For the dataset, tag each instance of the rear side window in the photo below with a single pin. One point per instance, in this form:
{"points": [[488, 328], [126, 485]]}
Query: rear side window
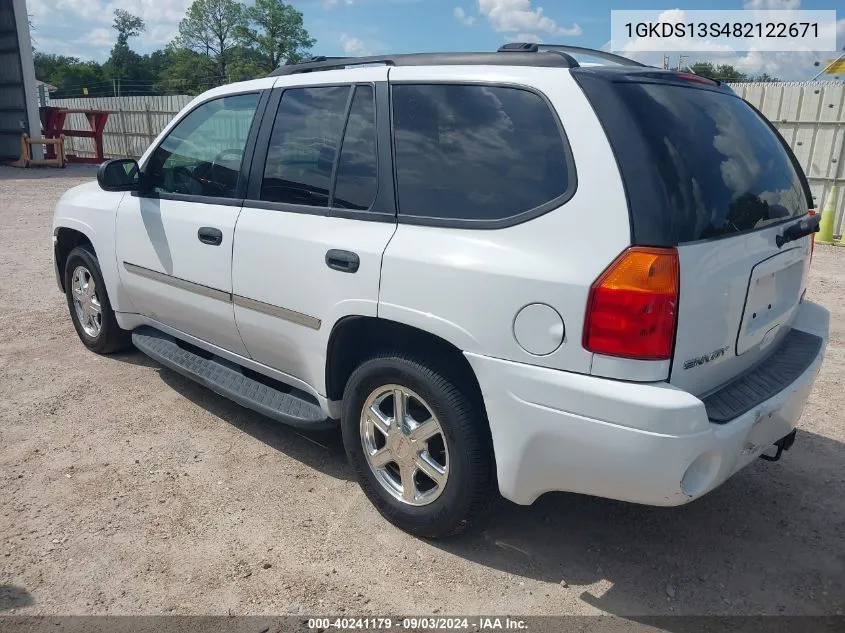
{"points": [[303, 145], [721, 168], [357, 169], [476, 153]]}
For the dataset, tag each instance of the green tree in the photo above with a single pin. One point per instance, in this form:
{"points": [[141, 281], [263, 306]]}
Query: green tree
{"points": [[124, 63], [275, 30], [764, 77], [209, 28], [722, 72], [186, 71], [70, 75], [127, 25]]}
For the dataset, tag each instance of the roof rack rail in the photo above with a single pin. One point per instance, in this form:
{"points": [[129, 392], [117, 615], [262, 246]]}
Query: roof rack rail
{"points": [[547, 59], [530, 47]]}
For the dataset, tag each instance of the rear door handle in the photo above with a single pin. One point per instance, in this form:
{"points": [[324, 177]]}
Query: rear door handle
{"points": [[210, 235], [344, 261]]}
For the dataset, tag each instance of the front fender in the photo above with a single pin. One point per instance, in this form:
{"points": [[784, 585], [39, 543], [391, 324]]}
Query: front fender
{"points": [[89, 210]]}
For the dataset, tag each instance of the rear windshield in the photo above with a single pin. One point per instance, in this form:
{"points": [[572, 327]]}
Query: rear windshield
{"points": [[722, 168]]}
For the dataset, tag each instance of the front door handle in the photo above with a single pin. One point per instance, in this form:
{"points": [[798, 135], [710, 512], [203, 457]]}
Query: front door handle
{"points": [[210, 235], [344, 261]]}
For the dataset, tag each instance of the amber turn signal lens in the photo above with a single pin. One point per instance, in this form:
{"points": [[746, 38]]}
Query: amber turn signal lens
{"points": [[633, 306]]}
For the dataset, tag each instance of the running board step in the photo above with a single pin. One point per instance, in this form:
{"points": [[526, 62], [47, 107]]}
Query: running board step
{"points": [[224, 378]]}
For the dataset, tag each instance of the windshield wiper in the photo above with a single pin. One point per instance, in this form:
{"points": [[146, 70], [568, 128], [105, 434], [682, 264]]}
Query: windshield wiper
{"points": [[798, 230]]}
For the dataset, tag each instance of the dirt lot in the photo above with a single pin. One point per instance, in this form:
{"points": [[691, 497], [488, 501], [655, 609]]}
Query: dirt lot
{"points": [[127, 489]]}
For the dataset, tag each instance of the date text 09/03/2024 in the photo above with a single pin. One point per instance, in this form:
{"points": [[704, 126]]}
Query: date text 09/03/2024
{"points": [[418, 623]]}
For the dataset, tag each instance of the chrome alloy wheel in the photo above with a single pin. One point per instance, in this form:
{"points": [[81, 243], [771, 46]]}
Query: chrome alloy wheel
{"points": [[404, 445], [86, 302]]}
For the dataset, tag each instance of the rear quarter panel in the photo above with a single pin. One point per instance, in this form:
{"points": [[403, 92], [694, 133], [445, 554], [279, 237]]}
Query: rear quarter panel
{"points": [[467, 285]]}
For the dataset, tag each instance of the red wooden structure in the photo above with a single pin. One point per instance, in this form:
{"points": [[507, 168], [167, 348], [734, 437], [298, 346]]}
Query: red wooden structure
{"points": [[53, 124]]}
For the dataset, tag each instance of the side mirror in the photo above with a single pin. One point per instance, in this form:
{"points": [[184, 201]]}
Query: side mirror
{"points": [[122, 174]]}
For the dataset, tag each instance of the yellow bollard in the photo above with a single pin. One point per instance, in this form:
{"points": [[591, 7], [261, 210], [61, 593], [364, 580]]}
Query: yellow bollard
{"points": [[825, 234]]}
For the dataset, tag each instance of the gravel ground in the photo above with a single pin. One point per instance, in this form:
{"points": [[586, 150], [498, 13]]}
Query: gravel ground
{"points": [[127, 489]]}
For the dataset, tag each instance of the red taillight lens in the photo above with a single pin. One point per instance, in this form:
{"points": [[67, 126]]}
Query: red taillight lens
{"points": [[633, 306]]}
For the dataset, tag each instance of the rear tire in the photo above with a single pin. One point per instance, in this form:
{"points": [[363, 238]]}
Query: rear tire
{"points": [[432, 476], [89, 304]]}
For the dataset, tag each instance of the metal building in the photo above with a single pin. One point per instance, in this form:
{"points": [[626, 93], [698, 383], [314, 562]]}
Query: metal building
{"points": [[18, 94]]}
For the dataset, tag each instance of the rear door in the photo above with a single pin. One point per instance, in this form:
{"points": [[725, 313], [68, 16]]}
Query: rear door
{"points": [[318, 216], [710, 176]]}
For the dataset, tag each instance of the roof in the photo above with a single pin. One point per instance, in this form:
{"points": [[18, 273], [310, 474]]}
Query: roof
{"points": [[47, 87], [514, 54]]}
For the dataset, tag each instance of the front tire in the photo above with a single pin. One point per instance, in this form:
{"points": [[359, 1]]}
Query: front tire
{"points": [[89, 304], [427, 463]]}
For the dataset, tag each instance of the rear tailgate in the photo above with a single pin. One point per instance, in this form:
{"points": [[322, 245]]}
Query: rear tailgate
{"points": [[705, 173]]}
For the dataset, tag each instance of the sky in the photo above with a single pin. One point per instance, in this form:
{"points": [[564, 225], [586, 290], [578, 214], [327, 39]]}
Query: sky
{"points": [[82, 28]]}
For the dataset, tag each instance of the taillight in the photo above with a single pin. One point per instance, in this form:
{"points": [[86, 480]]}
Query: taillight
{"points": [[812, 238], [632, 309]]}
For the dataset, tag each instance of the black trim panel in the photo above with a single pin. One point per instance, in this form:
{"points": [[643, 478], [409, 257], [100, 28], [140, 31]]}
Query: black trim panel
{"points": [[183, 197], [782, 367], [59, 279]]}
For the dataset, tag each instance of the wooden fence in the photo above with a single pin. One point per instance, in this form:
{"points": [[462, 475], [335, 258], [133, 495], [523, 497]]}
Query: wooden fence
{"points": [[134, 124]]}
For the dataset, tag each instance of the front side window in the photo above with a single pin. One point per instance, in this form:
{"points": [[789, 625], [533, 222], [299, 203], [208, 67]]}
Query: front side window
{"points": [[203, 154], [476, 153]]}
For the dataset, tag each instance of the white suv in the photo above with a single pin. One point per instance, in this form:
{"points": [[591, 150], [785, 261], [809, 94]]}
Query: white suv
{"points": [[495, 271]]}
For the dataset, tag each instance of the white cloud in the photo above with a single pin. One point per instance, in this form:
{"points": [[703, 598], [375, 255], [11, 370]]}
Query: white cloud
{"points": [[772, 4], [354, 46], [524, 37], [519, 15], [94, 18], [461, 16], [333, 3], [98, 37]]}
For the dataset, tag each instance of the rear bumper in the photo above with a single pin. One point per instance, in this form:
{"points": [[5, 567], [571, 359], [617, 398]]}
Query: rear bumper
{"points": [[648, 443]]}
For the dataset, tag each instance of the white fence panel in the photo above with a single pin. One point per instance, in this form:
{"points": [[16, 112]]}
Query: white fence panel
{"points": [[811, 118]]}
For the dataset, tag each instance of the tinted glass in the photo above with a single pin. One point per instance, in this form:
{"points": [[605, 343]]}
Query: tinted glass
{"points": [[357, 169], [303, 145], [203, 154], [475, 152], [723, 169]]}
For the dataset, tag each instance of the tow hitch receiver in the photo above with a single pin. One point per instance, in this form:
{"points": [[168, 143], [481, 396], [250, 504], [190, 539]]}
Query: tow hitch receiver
{"points": [[783, 444]]}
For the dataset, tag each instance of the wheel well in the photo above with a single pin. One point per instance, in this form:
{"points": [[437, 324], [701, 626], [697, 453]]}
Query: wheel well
{"points": [[66, 241], [354, 339]]}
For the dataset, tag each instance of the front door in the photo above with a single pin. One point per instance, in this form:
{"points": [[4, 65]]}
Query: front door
{"points": [[174, 240], [318, 217]]}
